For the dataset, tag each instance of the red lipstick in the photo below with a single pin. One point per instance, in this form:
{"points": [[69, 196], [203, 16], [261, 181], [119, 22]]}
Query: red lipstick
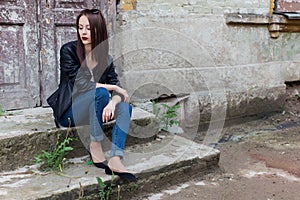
{"points": [[84, 38]]}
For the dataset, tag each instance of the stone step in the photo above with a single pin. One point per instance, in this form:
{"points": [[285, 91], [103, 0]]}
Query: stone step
{"points": [[25, 133], [157, 163]]}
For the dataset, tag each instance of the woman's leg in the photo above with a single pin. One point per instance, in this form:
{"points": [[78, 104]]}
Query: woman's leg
{"points": [[96, 131], [119, 134], [87, 109], [95, 113]]}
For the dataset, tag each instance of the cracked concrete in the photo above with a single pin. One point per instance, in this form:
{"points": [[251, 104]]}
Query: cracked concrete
{"points": [[259, 160], [158, 160]]}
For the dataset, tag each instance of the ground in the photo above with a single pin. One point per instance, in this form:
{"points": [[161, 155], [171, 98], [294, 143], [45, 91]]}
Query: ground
{"points": [[259, 160]]}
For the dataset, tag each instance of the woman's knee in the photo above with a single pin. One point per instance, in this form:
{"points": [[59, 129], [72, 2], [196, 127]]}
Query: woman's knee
{"points": [[102, 93], [124, 107]]}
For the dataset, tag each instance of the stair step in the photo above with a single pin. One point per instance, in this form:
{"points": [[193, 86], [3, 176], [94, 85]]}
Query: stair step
{"points": [[154, 164], [25, 133]]}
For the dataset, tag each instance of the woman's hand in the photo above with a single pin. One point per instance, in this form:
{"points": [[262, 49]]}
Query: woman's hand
{"points": [[122, 92], [108, 112]]}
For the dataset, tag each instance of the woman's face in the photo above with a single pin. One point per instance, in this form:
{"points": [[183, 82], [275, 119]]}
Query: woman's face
{"points": [[84, 30]]}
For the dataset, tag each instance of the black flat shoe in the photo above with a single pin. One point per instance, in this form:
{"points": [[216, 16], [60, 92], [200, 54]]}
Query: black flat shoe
{"points": [[123, 175], [102, 165]]}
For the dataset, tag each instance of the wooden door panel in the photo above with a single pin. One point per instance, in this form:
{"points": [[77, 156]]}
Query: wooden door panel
{"points": [[288, 5], [58, 27], [31, 33], [75, 4], [63, 35], [19, 81]]}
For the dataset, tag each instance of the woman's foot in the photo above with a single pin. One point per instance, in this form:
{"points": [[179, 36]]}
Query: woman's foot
{"points": [[97, 155], [116, 167]]}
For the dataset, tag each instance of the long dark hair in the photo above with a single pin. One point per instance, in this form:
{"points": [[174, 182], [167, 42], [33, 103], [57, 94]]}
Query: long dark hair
{"points": [[99, 37]]}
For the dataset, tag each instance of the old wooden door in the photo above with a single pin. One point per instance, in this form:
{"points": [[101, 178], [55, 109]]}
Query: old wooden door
{"points": [[31, 33], [58, 19], [19, 63]]}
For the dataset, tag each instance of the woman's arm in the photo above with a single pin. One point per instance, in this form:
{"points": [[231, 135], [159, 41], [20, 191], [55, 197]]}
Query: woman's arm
{"points": [[109, 110], [69, 62], [112, 83], [109, 87], [118, 94], [116, 90]]}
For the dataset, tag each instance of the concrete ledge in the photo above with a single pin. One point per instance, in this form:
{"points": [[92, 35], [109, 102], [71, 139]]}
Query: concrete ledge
{"points": [[154, 164], [25, 133]]}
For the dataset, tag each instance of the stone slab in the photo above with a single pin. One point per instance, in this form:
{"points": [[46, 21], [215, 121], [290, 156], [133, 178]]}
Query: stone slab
{"points": [[154, 159], [25, 133], [30, 121]]}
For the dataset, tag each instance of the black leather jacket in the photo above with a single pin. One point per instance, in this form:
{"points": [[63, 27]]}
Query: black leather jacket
{"points": [[75, 80]]}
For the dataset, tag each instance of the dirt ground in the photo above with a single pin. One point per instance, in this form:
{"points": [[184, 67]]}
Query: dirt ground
{"points": [[260, 160]]}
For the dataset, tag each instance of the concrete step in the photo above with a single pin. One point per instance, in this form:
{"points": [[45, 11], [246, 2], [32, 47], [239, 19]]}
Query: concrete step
{"points": [[172, 158], [25, 133]]}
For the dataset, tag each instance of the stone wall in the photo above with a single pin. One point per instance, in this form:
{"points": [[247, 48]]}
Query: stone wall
{"points": [[185, 47]]}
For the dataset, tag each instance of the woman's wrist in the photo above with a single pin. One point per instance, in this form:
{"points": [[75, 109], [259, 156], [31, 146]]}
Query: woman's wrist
{"points": [[98, 85], [107, 86], [114, 87], [113, 102], [116, 99]]}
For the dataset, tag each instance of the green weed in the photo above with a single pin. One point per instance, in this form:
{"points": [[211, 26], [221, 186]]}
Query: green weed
{"points": [[2, 112], [156, 109], [8, 113], [166, 114], [133, 187], [105, 190], [53, 160]]}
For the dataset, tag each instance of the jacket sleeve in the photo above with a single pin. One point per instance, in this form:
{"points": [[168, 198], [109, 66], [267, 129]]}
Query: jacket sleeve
{"points": [[112, 76], [69, 62], [70, 69]]}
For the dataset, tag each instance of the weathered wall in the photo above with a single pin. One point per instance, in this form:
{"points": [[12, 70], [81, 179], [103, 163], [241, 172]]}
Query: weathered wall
{"points": [[186, 47]]}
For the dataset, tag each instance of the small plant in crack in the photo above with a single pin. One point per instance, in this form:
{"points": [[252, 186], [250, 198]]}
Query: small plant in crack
{"points": [[133, 187], [166, 114], [169, 116], [106, 190], [54, 159], [2, 112]]}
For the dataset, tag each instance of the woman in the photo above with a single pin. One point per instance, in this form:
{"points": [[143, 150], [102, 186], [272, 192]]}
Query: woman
{"points": [[89, 91]]}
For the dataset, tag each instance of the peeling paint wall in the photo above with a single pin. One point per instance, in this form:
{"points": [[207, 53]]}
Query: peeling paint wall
{"points": [[186, 47]]}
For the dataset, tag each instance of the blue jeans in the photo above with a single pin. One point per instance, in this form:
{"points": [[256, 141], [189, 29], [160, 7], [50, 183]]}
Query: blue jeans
{"points": [[87, 109]]}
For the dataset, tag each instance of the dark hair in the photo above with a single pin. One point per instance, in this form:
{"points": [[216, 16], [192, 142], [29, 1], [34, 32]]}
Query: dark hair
{"points": [[99, 36]]}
